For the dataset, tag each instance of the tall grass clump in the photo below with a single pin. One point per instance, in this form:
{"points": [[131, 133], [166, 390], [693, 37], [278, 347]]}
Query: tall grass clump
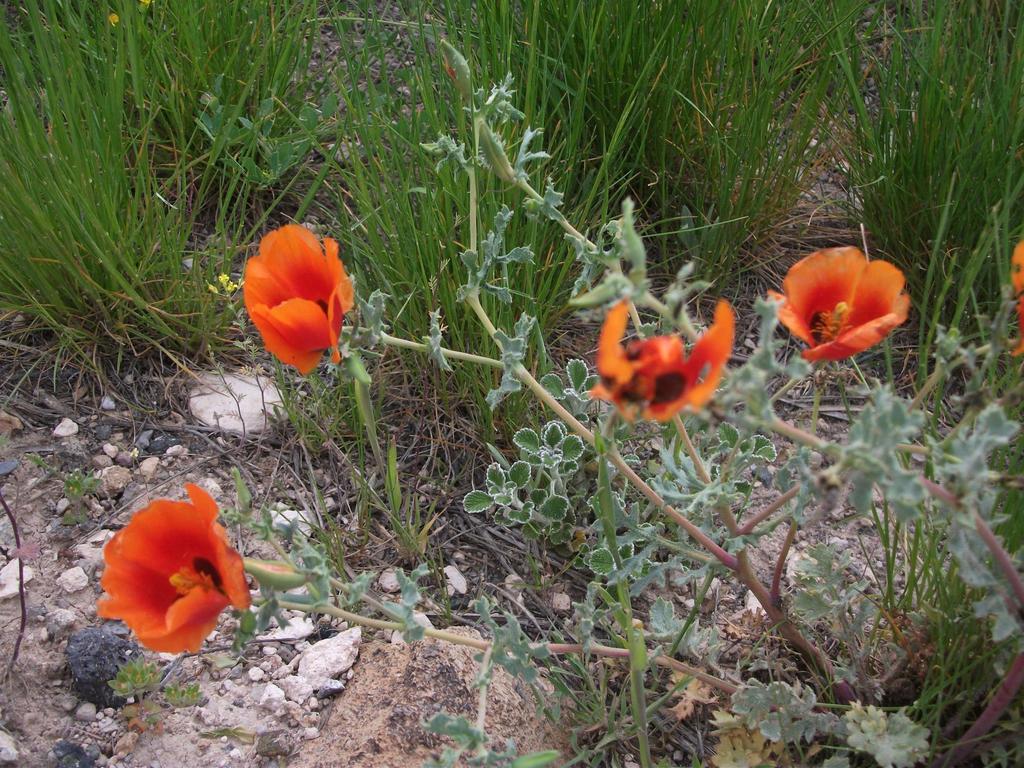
{"points": [[120, 203], [702, 112], [934, 145]]}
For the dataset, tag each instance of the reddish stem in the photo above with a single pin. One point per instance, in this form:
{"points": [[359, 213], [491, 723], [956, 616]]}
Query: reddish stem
{"points": [[764, 514], [21, 586], [780, 564], [1001, 700]]}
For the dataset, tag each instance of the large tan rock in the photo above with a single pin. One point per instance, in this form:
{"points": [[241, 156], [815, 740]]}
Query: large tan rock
{"points": [[377, 720]]}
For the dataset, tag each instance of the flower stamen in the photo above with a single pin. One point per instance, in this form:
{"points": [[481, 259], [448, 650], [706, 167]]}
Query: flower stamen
{"points": [[826, 326]]}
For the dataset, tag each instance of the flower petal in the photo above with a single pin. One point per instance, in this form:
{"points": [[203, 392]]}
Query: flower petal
{"points": [[295, 331], [817, 283], [188, 621], [290, 264], [796, 324], [863, 336], [164, 536], [1019, 349], [612, 365], [878, 294], [709, 357]]}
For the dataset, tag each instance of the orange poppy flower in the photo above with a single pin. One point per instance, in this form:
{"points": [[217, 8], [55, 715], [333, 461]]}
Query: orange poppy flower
{"points": [[654, 377], [840, 303], [297, 293], [1017, 279], [170, 572]]}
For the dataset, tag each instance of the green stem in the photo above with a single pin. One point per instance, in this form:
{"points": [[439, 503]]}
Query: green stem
{"points": [[691, 450], [681, 321], [634, 638], [451, 354], [558, 649]]}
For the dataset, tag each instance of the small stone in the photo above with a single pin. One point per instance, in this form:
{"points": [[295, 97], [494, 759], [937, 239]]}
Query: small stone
{"points": [[148, 466], [291, 518], [113, 480], [753, 605], [71, 755], [67, 702], [9, 424], [388, 582], [86, 712], [561, 602], [273, 744], [330, 658], [126, 744], [331, 687], [297, 628], [145, 437], [8, 749], [66, 428], [62, 505], [269, 650], [124, 459], [256, 674], [456, 581], [59, 622], [514, 581], [94, 655], [110, 449], [176, 451], [311, 733], [9, 578], [73, 580], [102, 462], [272, 698], [108, 404], [296, 688]]}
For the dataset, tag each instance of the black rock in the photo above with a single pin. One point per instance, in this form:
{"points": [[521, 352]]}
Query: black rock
{"points": [[102, 432], [160, 443], [71, 755], [94, 656]]}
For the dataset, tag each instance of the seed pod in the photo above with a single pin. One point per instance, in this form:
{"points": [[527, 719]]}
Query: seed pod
{"points": [[458, 70], [274, 574], [494, 154]]}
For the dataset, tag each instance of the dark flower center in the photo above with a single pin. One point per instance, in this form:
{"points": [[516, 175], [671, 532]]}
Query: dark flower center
{"points": [[668, 387]]}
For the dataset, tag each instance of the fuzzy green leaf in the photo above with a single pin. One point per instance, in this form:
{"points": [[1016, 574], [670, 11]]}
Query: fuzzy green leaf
{"points": [[894, 740], [477, 501]]}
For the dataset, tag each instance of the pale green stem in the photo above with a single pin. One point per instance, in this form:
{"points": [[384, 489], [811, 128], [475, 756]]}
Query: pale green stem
{"points": [[682, 321], [481, 706], [451, 354], [472, 187], [483, 645], [691, 450]]}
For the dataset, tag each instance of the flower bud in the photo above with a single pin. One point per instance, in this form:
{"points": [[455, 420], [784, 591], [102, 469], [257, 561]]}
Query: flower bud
{"points": [[458, 70], [494, 154], [613, 287], [274, 574]]}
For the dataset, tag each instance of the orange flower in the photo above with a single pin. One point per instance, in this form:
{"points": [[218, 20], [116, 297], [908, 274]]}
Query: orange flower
{"points": [[170, 572], [297, 293], [654, 376], [1017, 278], [840, 303]]}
